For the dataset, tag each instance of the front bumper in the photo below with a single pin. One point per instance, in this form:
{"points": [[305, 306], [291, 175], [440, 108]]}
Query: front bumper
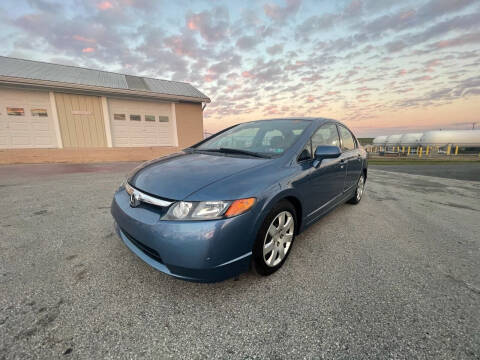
{"points": [[203, 251]]}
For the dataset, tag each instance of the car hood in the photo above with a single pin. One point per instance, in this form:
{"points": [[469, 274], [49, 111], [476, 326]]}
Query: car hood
{"points": [[179, 175]]}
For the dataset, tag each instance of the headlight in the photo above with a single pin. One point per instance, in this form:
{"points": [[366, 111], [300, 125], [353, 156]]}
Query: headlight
{"points": [[181, 209], [208, 210]]}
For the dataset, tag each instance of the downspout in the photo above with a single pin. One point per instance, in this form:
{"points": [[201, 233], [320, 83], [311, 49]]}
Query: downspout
{"points": [[204, 106]]}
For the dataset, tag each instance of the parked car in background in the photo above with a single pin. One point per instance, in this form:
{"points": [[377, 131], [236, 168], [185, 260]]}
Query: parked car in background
{"points": [[239, 197]]}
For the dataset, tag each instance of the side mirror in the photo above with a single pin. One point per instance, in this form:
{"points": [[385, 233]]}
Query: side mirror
{"points": [[326, 152]]}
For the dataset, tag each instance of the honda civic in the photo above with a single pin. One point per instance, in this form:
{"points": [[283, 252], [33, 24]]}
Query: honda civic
{"points": [[238, 198]]}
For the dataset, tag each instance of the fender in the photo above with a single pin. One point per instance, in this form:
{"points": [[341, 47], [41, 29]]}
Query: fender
{"points": [[274, 195]]}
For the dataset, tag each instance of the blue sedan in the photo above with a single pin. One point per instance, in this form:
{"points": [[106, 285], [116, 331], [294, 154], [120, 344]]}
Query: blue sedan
{"points": [[238, 198]]}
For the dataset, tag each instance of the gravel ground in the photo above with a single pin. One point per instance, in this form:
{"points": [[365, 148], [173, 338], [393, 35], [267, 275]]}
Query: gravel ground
{"points": [[457, 170], [393, 277]]}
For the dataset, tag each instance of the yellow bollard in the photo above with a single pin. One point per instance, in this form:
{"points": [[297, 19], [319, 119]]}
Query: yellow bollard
{"points": [[449, 148], [456, 150], [420, 152], [427, 150], [403, 149], [408, 151]]}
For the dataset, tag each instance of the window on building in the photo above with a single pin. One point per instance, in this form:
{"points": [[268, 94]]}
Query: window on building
{"points": [[39, 112], [348, 143], [163, 118], [14, 111], [119, 117], [149, 117], [135, 117]]}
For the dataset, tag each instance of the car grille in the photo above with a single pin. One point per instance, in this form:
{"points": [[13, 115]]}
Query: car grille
{"points": [[144, 248]]}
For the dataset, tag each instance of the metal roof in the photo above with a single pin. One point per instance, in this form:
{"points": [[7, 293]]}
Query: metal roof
{"points": [[77, 76]]}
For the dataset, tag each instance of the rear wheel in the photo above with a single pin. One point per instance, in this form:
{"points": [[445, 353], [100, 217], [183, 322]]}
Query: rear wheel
{"points": [[359, 191], [275, 238]]}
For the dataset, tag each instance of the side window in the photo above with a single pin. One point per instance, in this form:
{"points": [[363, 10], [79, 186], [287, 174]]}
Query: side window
{"points": [[325, 135], [348, 143]]}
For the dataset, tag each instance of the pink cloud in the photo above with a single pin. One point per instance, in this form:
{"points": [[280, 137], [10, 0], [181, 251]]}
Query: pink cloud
{"points": [[277, 12], [332, 92], [362, 96], [458, 41], [406, 14], [84, 39], [105, 5], [423, 78], [212, 25], [432, 63], [310, 98], [248, 75], [364, 88], [233, 87], [232, 76], [402, 72], [193, 22], [209, 78], [88, 50]]}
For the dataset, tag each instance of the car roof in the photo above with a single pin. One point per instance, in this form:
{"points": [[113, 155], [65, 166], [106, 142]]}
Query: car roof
{"points": [[317, 120]]}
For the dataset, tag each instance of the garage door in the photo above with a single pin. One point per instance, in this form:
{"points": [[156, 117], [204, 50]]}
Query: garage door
{"points": [[81, 120], [141, 123], [26, 120]]}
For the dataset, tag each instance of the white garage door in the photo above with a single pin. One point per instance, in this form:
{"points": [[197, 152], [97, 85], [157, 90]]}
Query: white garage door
{"points": [[141, 123], [26, 119]]}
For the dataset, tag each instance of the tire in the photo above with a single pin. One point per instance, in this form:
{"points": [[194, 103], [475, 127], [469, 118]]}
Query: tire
{"points": [[279, 237], [359, 191]]}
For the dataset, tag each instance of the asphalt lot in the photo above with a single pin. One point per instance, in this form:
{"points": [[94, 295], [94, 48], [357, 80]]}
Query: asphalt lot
{"points": [[456, 170], [393, 277]]}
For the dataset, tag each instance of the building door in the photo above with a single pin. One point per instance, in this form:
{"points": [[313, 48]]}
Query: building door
{"points": [[26, 119], [141, 123], [81, 120]]}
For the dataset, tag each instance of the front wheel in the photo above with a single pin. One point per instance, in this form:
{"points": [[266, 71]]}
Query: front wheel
{"points": [[359, 191], [275, 238]]}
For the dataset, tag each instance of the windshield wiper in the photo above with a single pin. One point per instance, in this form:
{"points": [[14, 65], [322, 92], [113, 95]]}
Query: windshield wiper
{"points": [[236, 151], [243, 152]]}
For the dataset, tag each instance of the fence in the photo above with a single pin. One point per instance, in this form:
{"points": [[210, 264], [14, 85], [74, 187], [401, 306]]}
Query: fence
{"points": [[424, 150]]}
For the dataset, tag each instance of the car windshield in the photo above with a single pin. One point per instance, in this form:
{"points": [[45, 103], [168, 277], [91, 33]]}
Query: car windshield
{"points": [[260, 138]]}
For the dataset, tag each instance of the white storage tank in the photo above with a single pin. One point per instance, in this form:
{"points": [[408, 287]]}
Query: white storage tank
{"points": [[412, 139], [380, 140], [393, 140], [454, 137]]}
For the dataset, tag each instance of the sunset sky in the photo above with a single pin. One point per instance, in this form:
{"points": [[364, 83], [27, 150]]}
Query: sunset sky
{"points": [[381, 66]]}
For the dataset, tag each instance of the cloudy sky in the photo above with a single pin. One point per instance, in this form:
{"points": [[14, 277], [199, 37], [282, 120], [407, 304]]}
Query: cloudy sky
{"points": [[381, 66]]}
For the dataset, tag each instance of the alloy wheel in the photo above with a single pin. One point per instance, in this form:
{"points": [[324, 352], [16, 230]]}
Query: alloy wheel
{"points": [[360, 188], [278, 239]]}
